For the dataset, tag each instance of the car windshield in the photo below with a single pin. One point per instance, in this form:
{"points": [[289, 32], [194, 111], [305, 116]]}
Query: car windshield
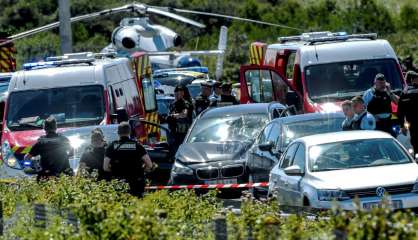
{"points": [[292, 131], [71, 106], [231, 128], [356, 154], [344, 80]]}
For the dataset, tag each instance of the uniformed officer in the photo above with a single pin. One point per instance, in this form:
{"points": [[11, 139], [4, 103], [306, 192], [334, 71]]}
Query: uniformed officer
{"points": [[349, 115], [226, 98], [202, 101], [407, 110], [217, 92], [362, 120], [180, 117], [54, 150], [93, 156], [127, 160], [378, 101]]}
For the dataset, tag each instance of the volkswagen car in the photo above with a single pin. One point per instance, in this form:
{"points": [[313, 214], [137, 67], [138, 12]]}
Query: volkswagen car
{"points": [[324, 170]]}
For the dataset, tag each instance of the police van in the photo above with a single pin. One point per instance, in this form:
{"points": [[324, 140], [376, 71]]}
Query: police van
{"points": [[317, 71], [79, 90]]}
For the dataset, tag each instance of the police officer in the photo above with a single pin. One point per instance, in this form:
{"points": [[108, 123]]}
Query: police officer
{"points": [[349, 115], [202, 101], [127, 160], [378, 101], [227, 98], [407, 110], [92, 158], [217, 92], [180, 117], [362, 120], [54, 150]]}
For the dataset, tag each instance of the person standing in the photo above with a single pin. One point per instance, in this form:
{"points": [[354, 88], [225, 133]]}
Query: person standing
{"points": [[54, 150], [202, 101], [378, 101], [408, 103], [180, 118], [93, 156], [362, 120], [227, 98], [349, 115], [217, 92], [126, 159]]}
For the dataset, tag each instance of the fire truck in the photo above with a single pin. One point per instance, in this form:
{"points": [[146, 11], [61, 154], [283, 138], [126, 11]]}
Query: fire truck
{"points": [[316, 71]]}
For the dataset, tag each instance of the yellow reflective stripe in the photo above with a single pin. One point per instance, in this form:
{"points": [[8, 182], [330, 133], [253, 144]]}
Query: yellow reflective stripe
{"points": [[253, 58], [4, 54], [15, 148], [26, 150], [260, 54]]}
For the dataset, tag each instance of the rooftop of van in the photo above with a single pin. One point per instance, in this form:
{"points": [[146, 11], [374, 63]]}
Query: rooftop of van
{"points": [[339, 51]]}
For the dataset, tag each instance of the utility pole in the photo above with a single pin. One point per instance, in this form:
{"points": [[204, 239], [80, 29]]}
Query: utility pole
{"points": [[65, 26]]}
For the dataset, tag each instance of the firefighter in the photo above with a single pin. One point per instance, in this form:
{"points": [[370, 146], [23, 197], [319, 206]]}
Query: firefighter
{"points": [[378, 101], [127, 160], [407, 111], [54, 150], [349, 115], [217, 92], [227, 98], [92, 158], [202, 101], [362, 120], [180, 117]]}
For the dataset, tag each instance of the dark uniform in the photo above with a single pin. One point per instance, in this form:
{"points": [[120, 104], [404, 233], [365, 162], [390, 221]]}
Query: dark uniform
{"points": [[201, 101], [407, 110], [125, 160], [179, 126], [381, 105], [226, 100], [54, 150], [93, 158]]}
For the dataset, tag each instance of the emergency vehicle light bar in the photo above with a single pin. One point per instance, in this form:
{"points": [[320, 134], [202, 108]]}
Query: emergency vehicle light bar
{"points": [[48, 64], [315, 37], [188, 69]]}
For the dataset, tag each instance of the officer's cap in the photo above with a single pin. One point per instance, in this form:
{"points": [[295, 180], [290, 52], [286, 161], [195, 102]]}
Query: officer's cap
{"points": [[217, 84], [50, 124], [380, 77], [179, 88], [357, 99], [206, 84]]}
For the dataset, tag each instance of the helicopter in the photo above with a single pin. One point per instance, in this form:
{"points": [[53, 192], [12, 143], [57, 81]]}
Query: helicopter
{"points": [[139, 34]]}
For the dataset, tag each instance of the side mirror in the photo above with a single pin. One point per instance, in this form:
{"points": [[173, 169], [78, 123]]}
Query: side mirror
{"points": [[293, 171], [266, 147], [121, 115]]}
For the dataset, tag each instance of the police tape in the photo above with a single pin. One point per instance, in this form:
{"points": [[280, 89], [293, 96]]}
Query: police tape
{"points": [[209, 186]]}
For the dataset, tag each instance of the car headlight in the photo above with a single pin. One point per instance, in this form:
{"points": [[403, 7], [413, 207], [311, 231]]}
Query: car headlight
{"points": [[181, 169], [331, 195], [415, 188], [8, 156]]}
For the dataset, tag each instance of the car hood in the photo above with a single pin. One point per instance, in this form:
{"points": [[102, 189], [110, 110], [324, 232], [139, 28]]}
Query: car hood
{"points": [[328, 107], [369, 177], [190, 153]]}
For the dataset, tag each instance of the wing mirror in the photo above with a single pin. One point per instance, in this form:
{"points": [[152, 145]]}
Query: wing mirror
{"points": [[266, 147], [293, 171]]}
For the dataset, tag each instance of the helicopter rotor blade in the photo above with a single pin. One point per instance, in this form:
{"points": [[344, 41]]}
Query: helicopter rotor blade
{"points": [[174, 16], [231, 17]]}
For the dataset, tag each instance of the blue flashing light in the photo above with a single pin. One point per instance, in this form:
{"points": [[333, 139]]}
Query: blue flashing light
{"points": [[189, 69], [35, 65], [27, 163]]}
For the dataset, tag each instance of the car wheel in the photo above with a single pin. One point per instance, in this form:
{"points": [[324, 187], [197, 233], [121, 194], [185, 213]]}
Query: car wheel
{"points": [[253, 190]]}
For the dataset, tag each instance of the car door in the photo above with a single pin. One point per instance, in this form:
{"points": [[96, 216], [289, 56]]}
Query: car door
{"points": [[256, 155], [294, 182], [280, 179]]}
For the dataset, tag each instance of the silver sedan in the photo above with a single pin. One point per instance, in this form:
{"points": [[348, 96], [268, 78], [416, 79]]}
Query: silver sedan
{"points": [[324, 170]]}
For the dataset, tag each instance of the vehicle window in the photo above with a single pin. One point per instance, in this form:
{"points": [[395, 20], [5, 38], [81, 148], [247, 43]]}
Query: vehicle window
{"points": [[229, 128], [356, 154], [71, 106], [290, 64], [280, 88], [260, 85], [292, 131], [288, 156], [263, 137], [148, 91], [120, 91], [344, 80], [279, 112], [299, 159], [274, 134]]}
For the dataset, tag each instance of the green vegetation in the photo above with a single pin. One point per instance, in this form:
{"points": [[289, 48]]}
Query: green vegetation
{"points": [[396, 21], [106, 211]]}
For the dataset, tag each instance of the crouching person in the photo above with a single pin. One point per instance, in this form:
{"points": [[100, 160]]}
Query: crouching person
{"points": [[127, 160], [93, 156]]}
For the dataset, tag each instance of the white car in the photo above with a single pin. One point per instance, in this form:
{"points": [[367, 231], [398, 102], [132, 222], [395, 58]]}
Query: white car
{"points": [[335, 168]]}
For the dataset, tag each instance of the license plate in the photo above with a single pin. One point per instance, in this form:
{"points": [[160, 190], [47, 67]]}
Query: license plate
{"points": [[222, 181], [395, 204]]}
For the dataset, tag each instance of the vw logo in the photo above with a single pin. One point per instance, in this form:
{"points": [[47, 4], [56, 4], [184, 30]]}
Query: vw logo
{"points": [[380, 192]]}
